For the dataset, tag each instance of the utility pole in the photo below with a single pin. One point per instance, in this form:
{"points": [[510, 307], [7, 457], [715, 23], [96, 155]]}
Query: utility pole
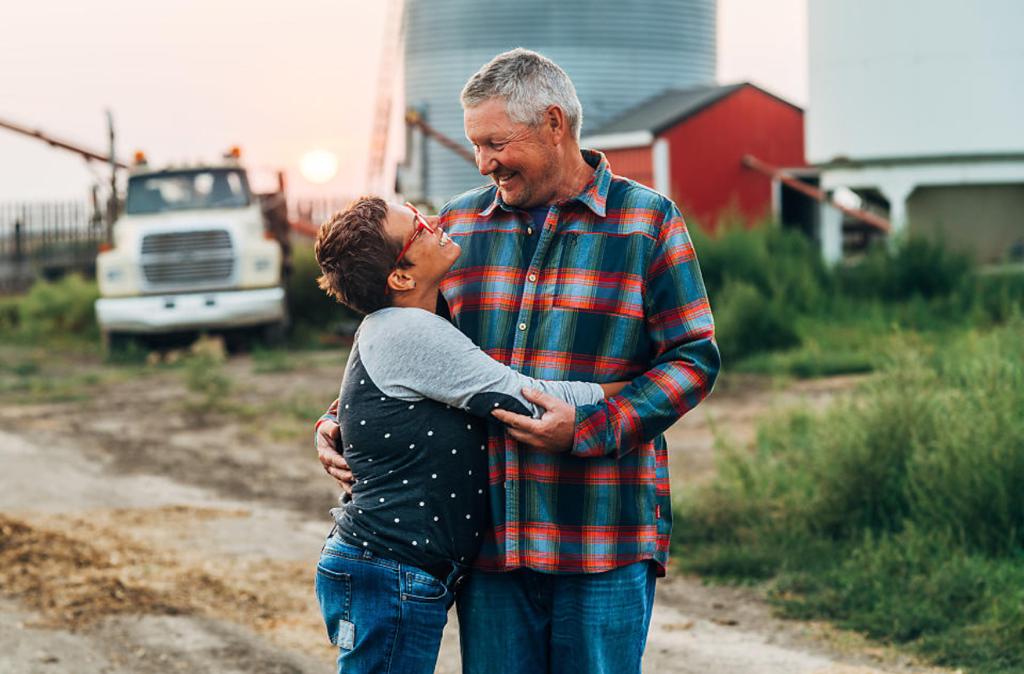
{"points": [[112, 205]]}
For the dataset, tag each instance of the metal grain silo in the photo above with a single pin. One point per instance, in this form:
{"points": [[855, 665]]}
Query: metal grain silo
{"points": [[617, 52]]}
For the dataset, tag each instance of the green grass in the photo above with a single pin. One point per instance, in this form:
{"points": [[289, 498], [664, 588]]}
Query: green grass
{"points": [[898, 512], [34, 375]]}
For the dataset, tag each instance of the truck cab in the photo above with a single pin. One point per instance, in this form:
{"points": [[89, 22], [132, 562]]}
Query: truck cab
{"points": [[192, 251]]}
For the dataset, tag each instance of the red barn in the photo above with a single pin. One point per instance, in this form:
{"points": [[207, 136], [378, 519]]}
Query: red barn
{"points": [[689, 145]]}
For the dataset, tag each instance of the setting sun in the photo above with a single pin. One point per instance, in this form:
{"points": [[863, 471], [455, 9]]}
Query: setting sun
{"points": [[318, 166]]}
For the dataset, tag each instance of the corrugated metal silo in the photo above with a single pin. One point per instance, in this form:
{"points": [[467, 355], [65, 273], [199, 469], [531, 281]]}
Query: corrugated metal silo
{"points": [[617, 52]]}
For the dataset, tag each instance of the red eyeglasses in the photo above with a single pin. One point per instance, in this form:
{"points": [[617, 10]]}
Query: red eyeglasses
{"points": [[421, 226]]}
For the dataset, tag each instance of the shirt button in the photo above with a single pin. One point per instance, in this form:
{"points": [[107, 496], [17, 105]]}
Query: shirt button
{"points": [[522, 326], [532, 278], [529, 230]]}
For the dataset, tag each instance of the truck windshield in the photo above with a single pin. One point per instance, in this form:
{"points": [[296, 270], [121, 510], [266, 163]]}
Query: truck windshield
{"points": [[187, 190]]}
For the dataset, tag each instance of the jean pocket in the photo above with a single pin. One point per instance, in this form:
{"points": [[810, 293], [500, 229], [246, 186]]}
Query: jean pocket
{"points": [[334, 594], [421, 586]]}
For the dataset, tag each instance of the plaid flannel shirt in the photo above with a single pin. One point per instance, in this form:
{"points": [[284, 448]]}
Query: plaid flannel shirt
{"points": [[613, 292]]}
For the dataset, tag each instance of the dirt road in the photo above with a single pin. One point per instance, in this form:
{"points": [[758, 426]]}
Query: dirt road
{"points": [[146, 527]]}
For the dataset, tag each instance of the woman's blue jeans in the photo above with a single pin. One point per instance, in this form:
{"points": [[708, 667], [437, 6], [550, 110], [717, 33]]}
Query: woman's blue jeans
{"points": [[384, 616]]}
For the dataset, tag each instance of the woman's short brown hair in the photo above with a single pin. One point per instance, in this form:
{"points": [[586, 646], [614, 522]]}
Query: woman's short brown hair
{"points": [[356, 255]]}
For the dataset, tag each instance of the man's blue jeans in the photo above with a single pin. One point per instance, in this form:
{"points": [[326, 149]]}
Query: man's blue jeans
{"points": [[384, 617], [530, 623]]}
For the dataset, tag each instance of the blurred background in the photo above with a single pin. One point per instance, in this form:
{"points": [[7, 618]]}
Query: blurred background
{"points": [[852, 175]]}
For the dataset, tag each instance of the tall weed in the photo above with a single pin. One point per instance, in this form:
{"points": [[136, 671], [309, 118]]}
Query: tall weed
{"points": [[898, 511]]}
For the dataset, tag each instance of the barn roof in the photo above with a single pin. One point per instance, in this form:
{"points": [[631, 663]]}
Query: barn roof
{"points": [[671, 107]]}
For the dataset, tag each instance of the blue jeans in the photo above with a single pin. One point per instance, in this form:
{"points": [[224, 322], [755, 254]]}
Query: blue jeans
{"points": [[530, 623], [382, 615]]}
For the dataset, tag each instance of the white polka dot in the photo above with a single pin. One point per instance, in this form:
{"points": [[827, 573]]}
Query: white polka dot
{"points": [[382, 397], [387, 435], [479, 491], [360, 512], [455, 451], [362, 422], [467, 516], [390, 550], [397, 520], [453, 494], [476, 533], [483, 446], [427, 541], [429, 433], [412, 406], [346, 406], [496, 404], [469, 473], [370, 459], [422, 504], [462, 559], [433, 476], [414, 542], [413, 445], [469, 426], [405, 482], [435, 518], [362, 381], [365, 544], [390, 471], [382, 499], [355, 534]]}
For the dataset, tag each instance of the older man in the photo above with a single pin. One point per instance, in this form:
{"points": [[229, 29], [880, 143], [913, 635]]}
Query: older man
{"points": [[569, 272]]}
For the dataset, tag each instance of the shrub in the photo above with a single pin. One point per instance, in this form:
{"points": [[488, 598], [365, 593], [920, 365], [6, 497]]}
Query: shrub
{"points": [[782, 264], [898, 511], [61, 310], [309, 306], [747, 322], [916, 267]]}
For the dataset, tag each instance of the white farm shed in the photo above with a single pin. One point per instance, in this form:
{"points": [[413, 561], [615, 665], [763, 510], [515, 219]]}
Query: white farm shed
{"points": [[917, 107]]}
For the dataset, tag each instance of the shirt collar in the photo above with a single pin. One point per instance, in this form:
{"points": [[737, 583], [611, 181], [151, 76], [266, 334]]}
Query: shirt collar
{"points": [[594, 196]]}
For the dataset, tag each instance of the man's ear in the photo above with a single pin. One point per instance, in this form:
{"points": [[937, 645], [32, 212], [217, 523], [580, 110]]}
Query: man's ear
{"points": [[554, 120], [399, 281]]}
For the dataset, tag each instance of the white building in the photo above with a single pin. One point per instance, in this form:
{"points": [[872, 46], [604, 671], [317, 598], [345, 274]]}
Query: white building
{"points": [[918, 107]]}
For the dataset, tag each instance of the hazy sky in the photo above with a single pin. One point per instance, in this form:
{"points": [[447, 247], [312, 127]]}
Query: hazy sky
{"points": [[187, 79]]}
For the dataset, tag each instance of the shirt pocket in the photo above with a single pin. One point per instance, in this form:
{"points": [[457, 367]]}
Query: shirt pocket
{"points": [[594, 275]]}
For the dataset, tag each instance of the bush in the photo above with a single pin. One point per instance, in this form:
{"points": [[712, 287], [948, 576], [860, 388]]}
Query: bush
{"points": [[310, 307], [917, 267], [747, 322], [898, 511], [781, 264], [61, 310]]}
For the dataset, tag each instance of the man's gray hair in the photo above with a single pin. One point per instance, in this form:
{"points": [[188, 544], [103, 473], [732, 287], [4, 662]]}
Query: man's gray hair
{"points": [[529, 83]]}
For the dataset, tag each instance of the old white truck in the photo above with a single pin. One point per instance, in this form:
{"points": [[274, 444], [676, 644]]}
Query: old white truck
{"points": [[195, 249]]}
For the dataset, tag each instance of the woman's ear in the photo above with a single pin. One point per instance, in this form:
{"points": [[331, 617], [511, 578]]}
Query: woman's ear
{"points": [[399, 280]]}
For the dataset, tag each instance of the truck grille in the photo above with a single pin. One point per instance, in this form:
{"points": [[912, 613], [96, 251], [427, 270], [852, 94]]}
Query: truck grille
{"points": [[188, 259]]}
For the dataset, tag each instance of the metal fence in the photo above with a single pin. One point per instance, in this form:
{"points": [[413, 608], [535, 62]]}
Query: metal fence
{"points": [[47, 240]]}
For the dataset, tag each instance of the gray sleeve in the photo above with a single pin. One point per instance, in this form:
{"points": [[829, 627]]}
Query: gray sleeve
{"points": [[413, 354]]}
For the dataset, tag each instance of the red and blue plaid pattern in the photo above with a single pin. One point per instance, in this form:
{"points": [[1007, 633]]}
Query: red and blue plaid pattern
{"points": [[613, 293]]}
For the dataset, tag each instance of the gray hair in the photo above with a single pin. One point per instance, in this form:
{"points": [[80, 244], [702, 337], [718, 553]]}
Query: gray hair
{"points": [[529, 83]]}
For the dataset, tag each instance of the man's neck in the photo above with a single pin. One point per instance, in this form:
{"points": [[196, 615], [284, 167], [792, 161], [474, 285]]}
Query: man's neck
{"points": [[575, 176]]}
